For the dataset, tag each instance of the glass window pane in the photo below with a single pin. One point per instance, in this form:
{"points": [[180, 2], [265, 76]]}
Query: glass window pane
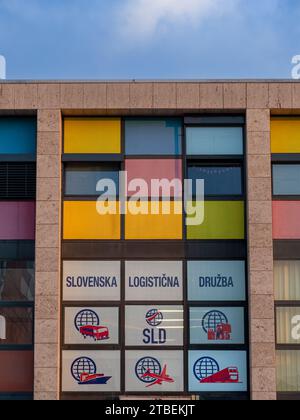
{"points": [[218, 180], [92, 135], [83, 179], [288, 325], [16, 326], [153, 137], [16, 369], [18, 135], [286, 179], [288, 371], [214, 140], [16, 281], [287, 280]]}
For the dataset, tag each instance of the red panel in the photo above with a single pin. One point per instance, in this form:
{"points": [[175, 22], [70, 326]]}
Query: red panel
{"points": [[286, 219], [148, 169], [17, 220], [16, 369]]}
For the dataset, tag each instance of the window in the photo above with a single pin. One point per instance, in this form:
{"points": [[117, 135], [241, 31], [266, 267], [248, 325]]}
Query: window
{"points": [[153, 136], [222, 220], [92, 226], [288, 371], [285, 135], [82, 179], [17, 180], [16, 369], [17, 325], [287, 280], [217, 326], [91, 280], [16, 281], [216, 281], [219, 180], [19, 219], [286, 179], [149, 326], [209, 141], [288, 325], [17, 135], [286, 221], [91, 325], [92, 135]]}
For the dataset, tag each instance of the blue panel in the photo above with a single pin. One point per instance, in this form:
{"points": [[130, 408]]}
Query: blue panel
{"points": [[153, 137], [214, 141], [286, 179], [18, 135]]}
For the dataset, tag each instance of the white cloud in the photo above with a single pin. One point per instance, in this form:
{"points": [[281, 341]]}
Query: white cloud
{"points": [[143, 18]]}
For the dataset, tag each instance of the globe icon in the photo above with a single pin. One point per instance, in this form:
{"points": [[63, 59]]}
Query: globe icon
{"points": [[154, 317], [86, 317], [147, 364], [83, 365], [212, 319], [205, 367]]}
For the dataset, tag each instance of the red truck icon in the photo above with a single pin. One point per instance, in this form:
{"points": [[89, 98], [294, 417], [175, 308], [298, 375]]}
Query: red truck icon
{"points": [[97, 333], [226, 376], [222, 332]]}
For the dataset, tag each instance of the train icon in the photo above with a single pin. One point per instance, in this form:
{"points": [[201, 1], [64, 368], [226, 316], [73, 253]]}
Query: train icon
{"points": [[87, 323], [207, 370]]}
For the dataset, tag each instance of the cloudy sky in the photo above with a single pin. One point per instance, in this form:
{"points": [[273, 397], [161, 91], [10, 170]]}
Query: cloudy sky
{"points": [[142, 39]]}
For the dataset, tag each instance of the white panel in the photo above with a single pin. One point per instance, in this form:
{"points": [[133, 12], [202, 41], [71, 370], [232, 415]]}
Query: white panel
{"points": [[91, 280]]}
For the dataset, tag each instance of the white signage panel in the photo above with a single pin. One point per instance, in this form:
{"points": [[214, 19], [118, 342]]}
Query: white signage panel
{"points": [[154, 281], [91, 371], [91, 280], [154, 371], [217, 326], [91, 326], [154, 325]]}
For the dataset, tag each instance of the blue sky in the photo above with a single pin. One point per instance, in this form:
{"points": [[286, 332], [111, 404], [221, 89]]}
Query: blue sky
{"points": [[146, 39]]}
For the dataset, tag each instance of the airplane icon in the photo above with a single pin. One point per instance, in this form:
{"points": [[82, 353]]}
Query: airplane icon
{"points": [[159, 379]]}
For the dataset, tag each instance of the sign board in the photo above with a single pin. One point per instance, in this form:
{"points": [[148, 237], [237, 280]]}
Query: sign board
{"points": [[91, 371], [91, 326], [217, 326], [218, 371], [216, 281], [154, 371], [154, 325], [91, 280], [154, 281]]}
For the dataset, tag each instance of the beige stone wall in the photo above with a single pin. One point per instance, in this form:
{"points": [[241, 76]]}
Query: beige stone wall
{"points": [[48, 240], [151, 98]]}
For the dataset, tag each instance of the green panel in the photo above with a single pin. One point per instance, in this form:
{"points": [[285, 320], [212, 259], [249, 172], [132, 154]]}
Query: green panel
{"points": [[222, 220]]}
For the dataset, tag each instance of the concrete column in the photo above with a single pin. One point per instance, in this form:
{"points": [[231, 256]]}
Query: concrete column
{"points": [[261, 285], [48, 234]]}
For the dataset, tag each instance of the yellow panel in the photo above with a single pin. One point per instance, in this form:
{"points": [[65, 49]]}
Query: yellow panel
{"points": [[82, 221], [222, 220], [92, 135], [285, 135], [155, 226]]}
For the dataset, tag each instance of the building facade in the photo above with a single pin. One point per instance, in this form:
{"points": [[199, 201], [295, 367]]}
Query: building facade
{"points": [[146, 304]]}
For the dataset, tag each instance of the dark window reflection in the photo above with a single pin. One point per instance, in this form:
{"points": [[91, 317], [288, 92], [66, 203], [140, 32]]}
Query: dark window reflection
{"points": [[218, 180], [16, 326], [16, 281]]}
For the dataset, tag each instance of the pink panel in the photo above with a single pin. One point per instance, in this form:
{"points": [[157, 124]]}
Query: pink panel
{"points": [[148, 169], [17, 220], [286, 219]]}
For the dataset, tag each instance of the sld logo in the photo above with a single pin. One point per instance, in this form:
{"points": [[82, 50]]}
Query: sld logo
{"points": [[154, 335], [2, 67], [296, 327], [2, 328]]}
